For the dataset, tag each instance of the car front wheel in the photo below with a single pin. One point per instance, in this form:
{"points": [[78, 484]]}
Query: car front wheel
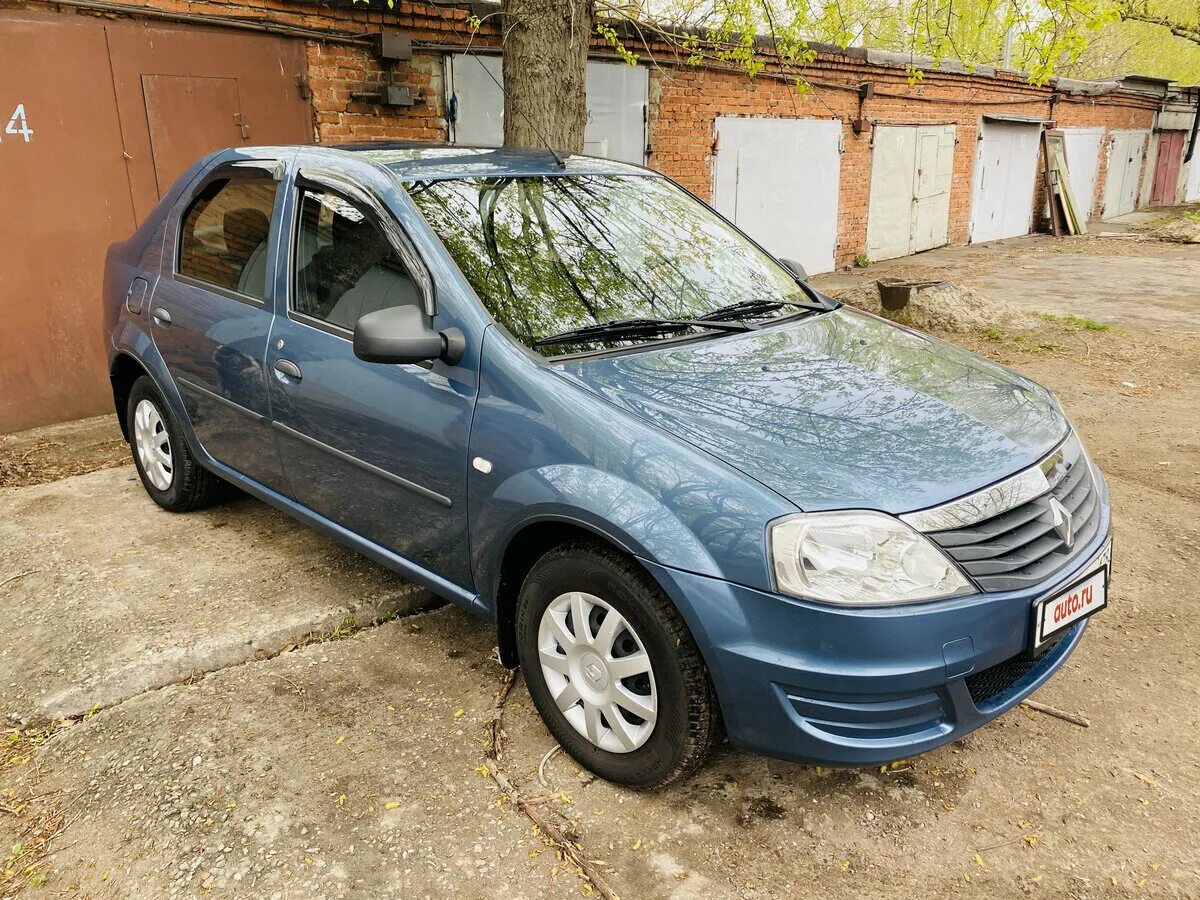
{"points": [[613, 669], [169, 472]]}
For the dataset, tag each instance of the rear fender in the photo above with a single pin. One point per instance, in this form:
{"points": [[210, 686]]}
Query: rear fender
{"points": [[131, 341]]}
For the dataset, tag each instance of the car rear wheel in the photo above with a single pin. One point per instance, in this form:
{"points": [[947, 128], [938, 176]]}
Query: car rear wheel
{"points": [[169, 472], [613, 669]]}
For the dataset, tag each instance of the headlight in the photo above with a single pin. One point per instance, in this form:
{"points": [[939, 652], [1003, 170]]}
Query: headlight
{"points": [[859, 559]]}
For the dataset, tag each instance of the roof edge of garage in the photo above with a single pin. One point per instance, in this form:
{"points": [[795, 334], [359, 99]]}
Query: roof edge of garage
{"points": [[1017, 120]]}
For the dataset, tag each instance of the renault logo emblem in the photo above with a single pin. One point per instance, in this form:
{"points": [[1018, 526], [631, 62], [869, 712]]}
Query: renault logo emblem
{"points": [[1060, 519]]}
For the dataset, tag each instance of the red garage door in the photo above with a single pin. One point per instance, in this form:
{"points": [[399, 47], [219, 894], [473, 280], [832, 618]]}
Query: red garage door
{"points": [[97, 118], [1166, 168]]}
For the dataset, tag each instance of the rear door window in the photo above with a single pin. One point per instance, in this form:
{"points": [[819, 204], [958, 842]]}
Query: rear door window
{"points": [[225, 234], [345, 266]]}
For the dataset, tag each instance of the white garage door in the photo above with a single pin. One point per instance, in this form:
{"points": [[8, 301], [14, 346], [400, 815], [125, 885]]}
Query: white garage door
{"points": [[1005, 172], [1125, 156], [1193, 180], [616, 103], [777, 179], [911, 171], [1083, 161]]}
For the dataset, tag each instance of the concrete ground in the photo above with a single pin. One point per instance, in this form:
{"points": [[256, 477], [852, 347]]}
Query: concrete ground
{"points": [[193, 715]]}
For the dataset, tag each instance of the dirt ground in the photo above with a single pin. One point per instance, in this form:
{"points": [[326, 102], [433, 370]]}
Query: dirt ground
{"points": [[329, 761]]}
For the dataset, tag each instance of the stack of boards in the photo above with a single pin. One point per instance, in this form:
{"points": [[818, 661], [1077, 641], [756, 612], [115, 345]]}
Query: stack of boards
{"points": [[1066, 216]]}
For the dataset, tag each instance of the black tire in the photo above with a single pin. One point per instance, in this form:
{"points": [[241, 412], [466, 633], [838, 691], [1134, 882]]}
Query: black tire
{"points": [[191, 486], [688, 724]]}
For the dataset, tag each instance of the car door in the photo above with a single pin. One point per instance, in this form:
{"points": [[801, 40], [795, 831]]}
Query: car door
{"points": [[378, 448], [211, 315]]}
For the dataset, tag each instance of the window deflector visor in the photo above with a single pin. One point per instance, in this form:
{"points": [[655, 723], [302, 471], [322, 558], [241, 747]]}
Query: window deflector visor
{"points": [[325, 180]]}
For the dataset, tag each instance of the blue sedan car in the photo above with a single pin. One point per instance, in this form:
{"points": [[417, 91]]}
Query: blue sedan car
{"points": [[694, 495]]}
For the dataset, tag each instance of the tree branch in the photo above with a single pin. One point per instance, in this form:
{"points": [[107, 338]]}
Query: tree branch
{"points": [[1191, 33]]}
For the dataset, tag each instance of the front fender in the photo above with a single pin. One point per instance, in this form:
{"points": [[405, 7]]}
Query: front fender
{"points": [[543, 448], [615, 509]]}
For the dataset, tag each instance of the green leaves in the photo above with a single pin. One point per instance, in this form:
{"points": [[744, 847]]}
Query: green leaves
{"points": [[614, 40]]}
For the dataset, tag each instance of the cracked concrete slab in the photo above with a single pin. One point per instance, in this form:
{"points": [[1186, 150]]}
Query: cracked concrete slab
{"points": [[344, 769], [111, 596]]}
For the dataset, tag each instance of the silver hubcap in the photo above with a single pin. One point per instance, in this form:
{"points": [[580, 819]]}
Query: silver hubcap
{"points": [[153, 445], [598, 672]]}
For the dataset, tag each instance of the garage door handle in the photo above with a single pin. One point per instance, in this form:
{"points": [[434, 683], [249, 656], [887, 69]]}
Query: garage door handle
{"points": [[161, 316], [288, 368]]}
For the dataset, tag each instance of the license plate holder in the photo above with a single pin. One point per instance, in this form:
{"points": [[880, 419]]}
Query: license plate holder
{"points": [[1083, 598]]}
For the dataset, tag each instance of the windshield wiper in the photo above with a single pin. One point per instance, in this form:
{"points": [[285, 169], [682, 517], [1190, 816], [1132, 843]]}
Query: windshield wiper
{"points": [[752, 307], [630, 328]]}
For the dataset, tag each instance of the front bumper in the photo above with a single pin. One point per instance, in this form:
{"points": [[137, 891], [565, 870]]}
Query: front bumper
{"points": [[857, 687]]}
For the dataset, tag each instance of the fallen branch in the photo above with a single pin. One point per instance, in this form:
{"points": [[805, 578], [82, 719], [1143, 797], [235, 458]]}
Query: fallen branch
{"points": [[569, 848], [1057, 713], [494, 723], [548, 828]]}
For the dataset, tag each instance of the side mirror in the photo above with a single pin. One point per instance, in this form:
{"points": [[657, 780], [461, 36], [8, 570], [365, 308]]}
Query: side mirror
{"points": [[399, 334], [795, 268]]}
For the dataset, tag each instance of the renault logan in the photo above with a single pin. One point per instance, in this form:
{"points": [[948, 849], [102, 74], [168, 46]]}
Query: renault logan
{"points": [[694, 495]]}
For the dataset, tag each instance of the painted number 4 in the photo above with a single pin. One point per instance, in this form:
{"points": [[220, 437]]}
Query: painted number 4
{"points": [[18, 125]]}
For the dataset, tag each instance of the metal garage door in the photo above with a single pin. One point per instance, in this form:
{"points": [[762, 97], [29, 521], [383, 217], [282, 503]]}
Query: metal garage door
{"points": [[617, 94], [911, 171], [1125, 155], [778, 179], [66, 198], [1005, 172], [110, 113], [177, 89], [1193, 183], [1083, 161], [1166, 167]]}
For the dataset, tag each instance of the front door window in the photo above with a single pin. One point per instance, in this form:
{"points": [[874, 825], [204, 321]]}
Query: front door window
{"points": [[345, 267]]}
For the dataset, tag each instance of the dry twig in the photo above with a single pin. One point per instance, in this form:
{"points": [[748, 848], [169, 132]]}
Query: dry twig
{"points": [[552, 831], [569, 848], [1057, 713]]}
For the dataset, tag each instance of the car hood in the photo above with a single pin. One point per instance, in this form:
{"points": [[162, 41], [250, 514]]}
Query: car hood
{"points": [[839, 410]]}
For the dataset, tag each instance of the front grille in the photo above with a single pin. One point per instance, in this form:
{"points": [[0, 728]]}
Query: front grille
{"points": [[999, 678], [1021, 547]]}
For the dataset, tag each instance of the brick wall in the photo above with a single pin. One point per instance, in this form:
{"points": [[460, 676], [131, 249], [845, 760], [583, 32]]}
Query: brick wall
{"points": [[337, 71], [684, 101]]}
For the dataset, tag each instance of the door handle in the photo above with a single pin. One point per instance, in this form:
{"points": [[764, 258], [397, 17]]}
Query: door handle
{"points": [[161, 316], [288, 368]]}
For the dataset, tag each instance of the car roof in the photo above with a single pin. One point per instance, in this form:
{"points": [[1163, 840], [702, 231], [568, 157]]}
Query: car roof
{"points": [[412, 161]]}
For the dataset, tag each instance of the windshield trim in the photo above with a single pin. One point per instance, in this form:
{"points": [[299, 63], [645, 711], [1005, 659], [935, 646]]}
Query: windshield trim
{"points": [[675, 340]]}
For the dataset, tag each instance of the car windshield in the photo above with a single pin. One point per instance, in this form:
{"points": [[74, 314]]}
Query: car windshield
{"points": [[551, 255]]}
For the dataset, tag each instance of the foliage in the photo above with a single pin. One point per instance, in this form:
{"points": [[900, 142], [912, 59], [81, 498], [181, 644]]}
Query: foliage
{"points": [[1086, 38], [1080, 38]]}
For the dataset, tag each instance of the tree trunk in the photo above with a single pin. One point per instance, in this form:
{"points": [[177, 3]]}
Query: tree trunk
{"points": [[545, 62]]}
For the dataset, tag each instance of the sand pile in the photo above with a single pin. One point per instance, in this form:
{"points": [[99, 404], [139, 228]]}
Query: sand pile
{"points": [[942, 306]]}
